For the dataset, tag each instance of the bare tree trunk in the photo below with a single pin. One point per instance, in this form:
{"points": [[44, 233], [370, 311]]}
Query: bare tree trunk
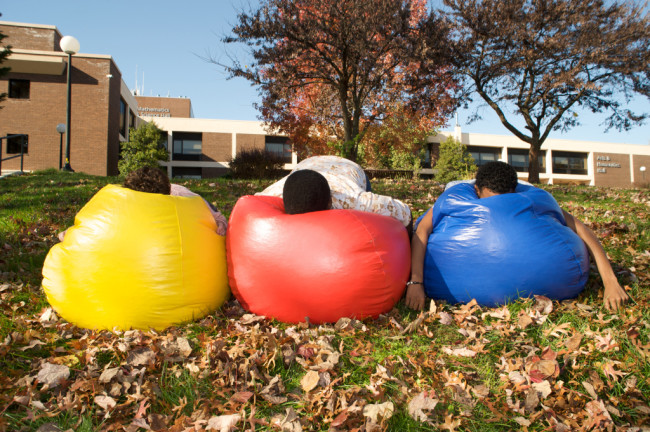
{"points": [[533, 162]]}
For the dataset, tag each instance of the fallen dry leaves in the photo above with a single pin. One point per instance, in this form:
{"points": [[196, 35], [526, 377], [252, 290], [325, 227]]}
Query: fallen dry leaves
{"points": [[260, 375], [535, 365]]}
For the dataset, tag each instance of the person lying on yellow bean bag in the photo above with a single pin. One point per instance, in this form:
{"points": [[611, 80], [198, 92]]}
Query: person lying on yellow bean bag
{"points": [[137, 260]]}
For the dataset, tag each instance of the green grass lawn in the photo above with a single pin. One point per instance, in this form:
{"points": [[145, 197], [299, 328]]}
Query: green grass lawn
{"points": [[529, 365]]}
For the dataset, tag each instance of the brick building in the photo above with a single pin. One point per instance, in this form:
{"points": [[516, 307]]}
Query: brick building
{"points": [[103, 108]]}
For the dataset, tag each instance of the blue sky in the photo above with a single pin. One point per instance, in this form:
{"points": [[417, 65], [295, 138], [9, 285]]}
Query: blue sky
{"points": [[164, 42]]}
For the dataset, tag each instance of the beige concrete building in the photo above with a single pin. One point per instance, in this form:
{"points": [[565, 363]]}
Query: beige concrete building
{"points": [[563, 161]]}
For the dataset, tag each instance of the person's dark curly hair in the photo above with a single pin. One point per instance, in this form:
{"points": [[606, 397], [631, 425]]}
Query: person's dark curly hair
{"points": [[148, 179], [305, 191], [499, 177]]}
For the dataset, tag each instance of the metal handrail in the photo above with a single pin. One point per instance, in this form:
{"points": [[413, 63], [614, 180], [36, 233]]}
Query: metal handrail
{"points": [[22, 150]]}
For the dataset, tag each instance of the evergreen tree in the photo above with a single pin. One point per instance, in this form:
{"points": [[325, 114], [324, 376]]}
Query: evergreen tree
{"points": [[454, 162], [144, 148]]}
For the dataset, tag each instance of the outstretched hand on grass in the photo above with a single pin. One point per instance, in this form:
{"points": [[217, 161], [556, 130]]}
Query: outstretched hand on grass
{"points": [[415, 297]]}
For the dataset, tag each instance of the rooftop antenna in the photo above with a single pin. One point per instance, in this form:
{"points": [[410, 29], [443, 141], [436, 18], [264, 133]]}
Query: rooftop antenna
{"points": [[456, 118], [136, 80]]}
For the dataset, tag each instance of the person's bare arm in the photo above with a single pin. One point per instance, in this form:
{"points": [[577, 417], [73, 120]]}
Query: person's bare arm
{"points": [[614, 295], [415, 296]]}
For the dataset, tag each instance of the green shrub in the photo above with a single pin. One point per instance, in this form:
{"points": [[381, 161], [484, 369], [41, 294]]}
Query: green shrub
{"points": [[145, 147], [255, 164], [454, 162]]}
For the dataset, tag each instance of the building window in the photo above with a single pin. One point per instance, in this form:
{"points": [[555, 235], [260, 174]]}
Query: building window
{"points": [[14, 142], [18, 89], [569, 163], [123, 117], [187, 146], [518, 159], [279, 147], [186, 172], [483, 155]]}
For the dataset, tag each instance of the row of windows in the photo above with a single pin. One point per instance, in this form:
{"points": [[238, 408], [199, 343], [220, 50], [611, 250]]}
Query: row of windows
{"points": [[188, 146], [563, 162]]}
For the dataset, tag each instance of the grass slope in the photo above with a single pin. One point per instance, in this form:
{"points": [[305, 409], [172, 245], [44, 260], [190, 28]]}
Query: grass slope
{"points": [[530, 365]]}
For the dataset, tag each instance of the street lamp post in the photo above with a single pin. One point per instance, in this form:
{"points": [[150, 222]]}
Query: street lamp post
{"points": [[642, 169], [70, 46], [60, 128]]}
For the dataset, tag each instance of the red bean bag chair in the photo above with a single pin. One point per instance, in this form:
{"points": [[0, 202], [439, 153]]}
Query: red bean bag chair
{"points": [[319, 266]]}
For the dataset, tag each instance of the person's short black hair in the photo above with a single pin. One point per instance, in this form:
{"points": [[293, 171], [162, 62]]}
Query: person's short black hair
{"points": [[499, 177], [148, 179], [305, 191]]}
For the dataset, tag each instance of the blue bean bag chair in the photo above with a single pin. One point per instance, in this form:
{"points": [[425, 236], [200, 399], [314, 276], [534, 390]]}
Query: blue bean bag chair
{"points": [[500, 248]]}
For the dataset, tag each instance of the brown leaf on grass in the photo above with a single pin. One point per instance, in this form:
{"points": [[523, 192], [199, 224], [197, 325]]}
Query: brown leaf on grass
{"points": [[590, 389], [177, 350], [340, 419], [32, 344], [609, 368], [223, 423], [501, 314], [289, 422], [108, 374], [463, 352], [377, 412], [532, 401], [274, 391], [310, 381], [250, 319], [450, 424], [524, 320], [445, 318], [52, 374], [521, 421], [105, 402], [241, 397], [141, 356], [573, 343], [595, 380], [413, 325], [481, 391], [599, 417], [306, 351], [543, 369], [343, 323], [48, 316], [605, 343], [559, 330], [543, 389], [420, 404], [543, 305]]}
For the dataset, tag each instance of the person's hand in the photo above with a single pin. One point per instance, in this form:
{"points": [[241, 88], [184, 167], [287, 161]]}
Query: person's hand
{"points": [[415, 296], [614, 296]]}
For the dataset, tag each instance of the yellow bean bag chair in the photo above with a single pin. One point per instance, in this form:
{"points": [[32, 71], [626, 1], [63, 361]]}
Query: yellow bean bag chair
{"points": [[137, 260]]}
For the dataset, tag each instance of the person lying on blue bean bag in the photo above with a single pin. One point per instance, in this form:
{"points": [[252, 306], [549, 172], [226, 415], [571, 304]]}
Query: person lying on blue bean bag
{"points": [[498, 239]]}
